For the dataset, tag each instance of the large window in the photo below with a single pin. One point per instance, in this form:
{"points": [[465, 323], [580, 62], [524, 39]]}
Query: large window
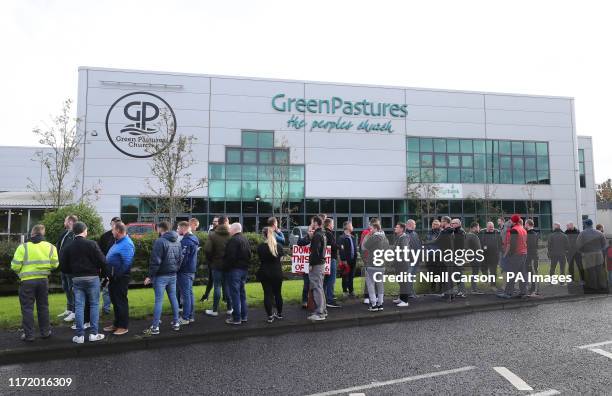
{"points": [[256, 169], [253, 214], [441, 160], [581, 168]]}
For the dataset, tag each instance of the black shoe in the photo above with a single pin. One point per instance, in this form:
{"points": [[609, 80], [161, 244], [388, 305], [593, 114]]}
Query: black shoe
{"points": [[45, 336], [380, 307], [333, 304], [271, 319], [373, 308], [278, 316]]}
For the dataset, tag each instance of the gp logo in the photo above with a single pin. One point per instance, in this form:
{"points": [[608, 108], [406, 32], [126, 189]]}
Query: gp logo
{"points": [[140, 124]]}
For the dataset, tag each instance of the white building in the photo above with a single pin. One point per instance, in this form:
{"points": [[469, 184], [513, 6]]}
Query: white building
{"points": [[349, 149]]}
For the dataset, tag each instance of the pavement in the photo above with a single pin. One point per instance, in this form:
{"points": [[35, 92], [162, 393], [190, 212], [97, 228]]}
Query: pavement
{"points": [[207, 329], [546, 349]]}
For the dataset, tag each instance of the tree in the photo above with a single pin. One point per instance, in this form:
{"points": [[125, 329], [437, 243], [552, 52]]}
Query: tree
{"points": [[54, 220], [604, 191], [530, 190], [170, 166], [279, 174], [424, 194], [61, 140]]}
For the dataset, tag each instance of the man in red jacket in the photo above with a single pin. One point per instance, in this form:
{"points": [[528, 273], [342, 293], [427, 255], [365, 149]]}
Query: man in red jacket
{"points": [[516, 253]]}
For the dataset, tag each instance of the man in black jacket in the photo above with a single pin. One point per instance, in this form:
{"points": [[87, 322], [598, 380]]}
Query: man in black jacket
{"points": [[330, 280], [236, 263], [347, 245], [532, 254], [85, 263], [317, 240], [63, 241], [106, 241], [573, 255], [491, 244], [458, 244]]}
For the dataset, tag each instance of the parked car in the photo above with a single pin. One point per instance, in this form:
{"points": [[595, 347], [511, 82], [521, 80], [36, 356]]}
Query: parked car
{"points": [[138, 230], [297, 233]]}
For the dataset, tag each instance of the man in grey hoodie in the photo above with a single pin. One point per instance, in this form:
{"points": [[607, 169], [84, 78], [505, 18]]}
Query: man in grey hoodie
{"points": [[375, 241], [590, 243]]}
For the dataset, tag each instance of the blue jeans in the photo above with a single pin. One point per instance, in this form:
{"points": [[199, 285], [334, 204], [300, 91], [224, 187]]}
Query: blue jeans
{"points": [[330, 281], [165, 283], [86, 288], [67, 287], [237, 280], [106, 300], [185, 284], [219, 283]]}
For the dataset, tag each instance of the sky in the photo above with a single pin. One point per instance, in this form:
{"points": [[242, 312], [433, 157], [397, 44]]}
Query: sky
{"points": [[530, 47]]}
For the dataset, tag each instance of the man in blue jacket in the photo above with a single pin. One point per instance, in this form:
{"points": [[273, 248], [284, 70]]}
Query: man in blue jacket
{"points": [[165, 261], [119, 264], [186, 273]]}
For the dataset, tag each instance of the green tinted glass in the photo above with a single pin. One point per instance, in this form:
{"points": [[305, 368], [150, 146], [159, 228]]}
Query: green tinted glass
{"points": [[233, 172], [296, 172], [216, 189], [452, 145], [466, 146], [232, 155], [413, 144], [216, 171], [249, 156], [439, 145], [542, 148], [265, 157], [426, 144], [249, 139]]}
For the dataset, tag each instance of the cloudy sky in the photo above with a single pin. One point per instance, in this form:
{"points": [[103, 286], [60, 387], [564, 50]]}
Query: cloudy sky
{"points": [[532, 47]]}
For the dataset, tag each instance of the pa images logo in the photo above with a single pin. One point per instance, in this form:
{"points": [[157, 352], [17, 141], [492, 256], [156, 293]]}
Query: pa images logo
{"points": [[140, 124]]}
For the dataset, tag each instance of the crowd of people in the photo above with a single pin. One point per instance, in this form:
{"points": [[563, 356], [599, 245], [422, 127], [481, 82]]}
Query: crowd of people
{"points": [[89, 269]]}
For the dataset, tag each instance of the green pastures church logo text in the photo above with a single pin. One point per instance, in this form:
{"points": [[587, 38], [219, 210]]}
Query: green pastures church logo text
{"points": [[333, 113], [140, 124]]}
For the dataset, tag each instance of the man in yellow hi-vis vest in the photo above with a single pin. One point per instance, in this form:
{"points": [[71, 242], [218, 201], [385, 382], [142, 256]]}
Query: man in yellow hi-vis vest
{"points": [[33, 262]]}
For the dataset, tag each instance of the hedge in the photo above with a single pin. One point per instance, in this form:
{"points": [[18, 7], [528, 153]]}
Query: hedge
{"points": [[141, 259]]}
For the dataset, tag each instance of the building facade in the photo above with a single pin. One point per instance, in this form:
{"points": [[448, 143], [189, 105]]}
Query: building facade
{"points": [[351, 151]]}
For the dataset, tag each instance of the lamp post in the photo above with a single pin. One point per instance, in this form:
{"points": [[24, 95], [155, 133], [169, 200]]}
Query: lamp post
{"points": [[257, 199]]}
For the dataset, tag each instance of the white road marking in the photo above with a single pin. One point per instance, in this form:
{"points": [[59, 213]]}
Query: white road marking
{"points": [[514, 379], [602, 352], [549, 392], [589, 346], [357, 394], [395, 381]]}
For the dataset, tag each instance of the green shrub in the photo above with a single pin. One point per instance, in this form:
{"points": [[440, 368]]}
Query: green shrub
{"points": [[54, 221], [145, 245], [7, 250]]}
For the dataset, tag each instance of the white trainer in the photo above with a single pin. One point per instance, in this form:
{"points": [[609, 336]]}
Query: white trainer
{"points": [[85, 326], [78, 340], [65, 313], [366, 301], [96, 337], [210, 312], [230, 311], [403, 304], [70, 317]]}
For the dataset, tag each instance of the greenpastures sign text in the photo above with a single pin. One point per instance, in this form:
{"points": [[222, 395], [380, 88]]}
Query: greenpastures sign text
{"points": [[339, 106]]}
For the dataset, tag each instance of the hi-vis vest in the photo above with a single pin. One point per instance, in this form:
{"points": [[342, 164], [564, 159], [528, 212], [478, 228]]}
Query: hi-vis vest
{"points": [[34, 260]]}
